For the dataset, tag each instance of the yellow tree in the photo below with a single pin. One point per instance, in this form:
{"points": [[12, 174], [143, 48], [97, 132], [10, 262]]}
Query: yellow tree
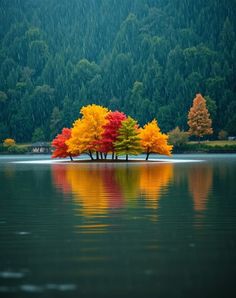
{"points": [[87, 131], [153, 141], [199, 119], [9, 142]]}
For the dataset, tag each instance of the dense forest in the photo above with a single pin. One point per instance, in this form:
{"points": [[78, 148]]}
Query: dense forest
{"points": [[147, 58]]}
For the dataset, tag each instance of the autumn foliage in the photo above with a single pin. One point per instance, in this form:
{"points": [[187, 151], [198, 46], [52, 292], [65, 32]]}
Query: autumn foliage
{"points": [[128, 140], [59, 144], [9, 142], [100, 131], [199, 119], [87, 131], [153, 141], [110, 134]]}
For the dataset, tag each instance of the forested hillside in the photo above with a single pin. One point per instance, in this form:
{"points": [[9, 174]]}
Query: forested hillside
{"points": [[147, 58]]}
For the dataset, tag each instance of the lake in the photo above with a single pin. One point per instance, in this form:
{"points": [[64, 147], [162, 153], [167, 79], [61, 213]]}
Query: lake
{"points": [[118, 230]]}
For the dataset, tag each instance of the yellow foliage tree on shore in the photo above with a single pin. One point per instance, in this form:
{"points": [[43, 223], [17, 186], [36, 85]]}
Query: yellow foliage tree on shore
{"points": [[153, 141], [87, 131]]}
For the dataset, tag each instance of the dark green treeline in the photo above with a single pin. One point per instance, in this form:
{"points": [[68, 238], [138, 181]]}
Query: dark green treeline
{"points": [[147, 58]]}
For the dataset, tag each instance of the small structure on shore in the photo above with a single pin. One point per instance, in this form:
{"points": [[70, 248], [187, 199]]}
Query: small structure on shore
{"points": [[40, 147]]}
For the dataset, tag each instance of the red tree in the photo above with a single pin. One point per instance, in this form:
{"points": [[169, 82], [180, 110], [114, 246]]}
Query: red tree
{"points": [[110, 133], [59, 144]]}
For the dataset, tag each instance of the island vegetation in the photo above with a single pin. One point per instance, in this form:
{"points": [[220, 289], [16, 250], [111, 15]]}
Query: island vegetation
{"points": [[100, 131]]}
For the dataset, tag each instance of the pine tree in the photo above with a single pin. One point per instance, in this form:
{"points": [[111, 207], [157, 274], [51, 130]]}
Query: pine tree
{"points": [[199, 119], [128, 141]]}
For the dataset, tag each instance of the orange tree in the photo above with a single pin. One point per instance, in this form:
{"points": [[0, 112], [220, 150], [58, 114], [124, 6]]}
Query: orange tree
{"points": [[87, 131], [153, 141], [199, 119]]}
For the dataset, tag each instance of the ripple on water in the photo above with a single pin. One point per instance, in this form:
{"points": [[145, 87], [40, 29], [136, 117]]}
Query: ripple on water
{"points": [[42, 288], [11, 274], [31, 288], [22, 233]]}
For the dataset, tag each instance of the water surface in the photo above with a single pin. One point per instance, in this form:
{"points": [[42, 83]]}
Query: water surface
{"points": [[118, 230]]}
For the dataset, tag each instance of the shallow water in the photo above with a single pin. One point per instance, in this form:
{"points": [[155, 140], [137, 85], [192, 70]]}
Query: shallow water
{"points": [[118, 230]]}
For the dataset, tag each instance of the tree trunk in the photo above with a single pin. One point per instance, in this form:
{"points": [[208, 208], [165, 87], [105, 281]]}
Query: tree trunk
{"points": [[91, 155], [127, 156], [113, 155], [101, 155], [105, 155], [148, 153], [116, 156], [71, 158], [97, 155]]}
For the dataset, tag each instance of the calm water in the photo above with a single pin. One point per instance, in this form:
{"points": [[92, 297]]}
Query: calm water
{"points": [[118, 230]]}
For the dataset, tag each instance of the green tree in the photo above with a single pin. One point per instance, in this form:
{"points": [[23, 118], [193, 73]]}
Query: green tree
{"points": [[177, 137], [222, 135], [128, 140], [3, 97], [55, 122], [38, 135]]}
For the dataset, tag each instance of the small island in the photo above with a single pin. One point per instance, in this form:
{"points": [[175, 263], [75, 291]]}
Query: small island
{"points": [[100, 132]]}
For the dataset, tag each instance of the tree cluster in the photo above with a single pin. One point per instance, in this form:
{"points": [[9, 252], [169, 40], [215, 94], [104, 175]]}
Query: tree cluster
{"points": [[100, 131], [147, 58]]}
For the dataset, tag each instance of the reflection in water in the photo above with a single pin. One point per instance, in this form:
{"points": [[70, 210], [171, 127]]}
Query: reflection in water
{"points": [[128, 180], [153, 180], [59, 178], [9, 171], [200, 182], [99, 187], [88, 188]]}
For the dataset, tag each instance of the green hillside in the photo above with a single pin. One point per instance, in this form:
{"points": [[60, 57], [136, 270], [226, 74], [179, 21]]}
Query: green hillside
{"points": [[144, 57]]}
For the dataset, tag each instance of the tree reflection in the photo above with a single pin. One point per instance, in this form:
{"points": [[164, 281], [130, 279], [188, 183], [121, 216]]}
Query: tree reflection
{"points": [[153, 181], [59, 178], [200, 182], [100, 187], [88, 188]]}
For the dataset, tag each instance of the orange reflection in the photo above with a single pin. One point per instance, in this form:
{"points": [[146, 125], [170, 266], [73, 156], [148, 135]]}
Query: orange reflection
{"points": [[101, 187], [88, 188], [153, 180], [200, 181]]}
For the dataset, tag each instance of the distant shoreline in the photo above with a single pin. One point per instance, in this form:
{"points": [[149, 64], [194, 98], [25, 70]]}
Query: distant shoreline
{"points": [[189, 148]]}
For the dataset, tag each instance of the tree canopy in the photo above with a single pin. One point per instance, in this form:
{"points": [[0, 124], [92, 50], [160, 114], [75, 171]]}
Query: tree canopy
{"points": [[101, 132], [199, 120], [153, 141], [128, 140]]}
